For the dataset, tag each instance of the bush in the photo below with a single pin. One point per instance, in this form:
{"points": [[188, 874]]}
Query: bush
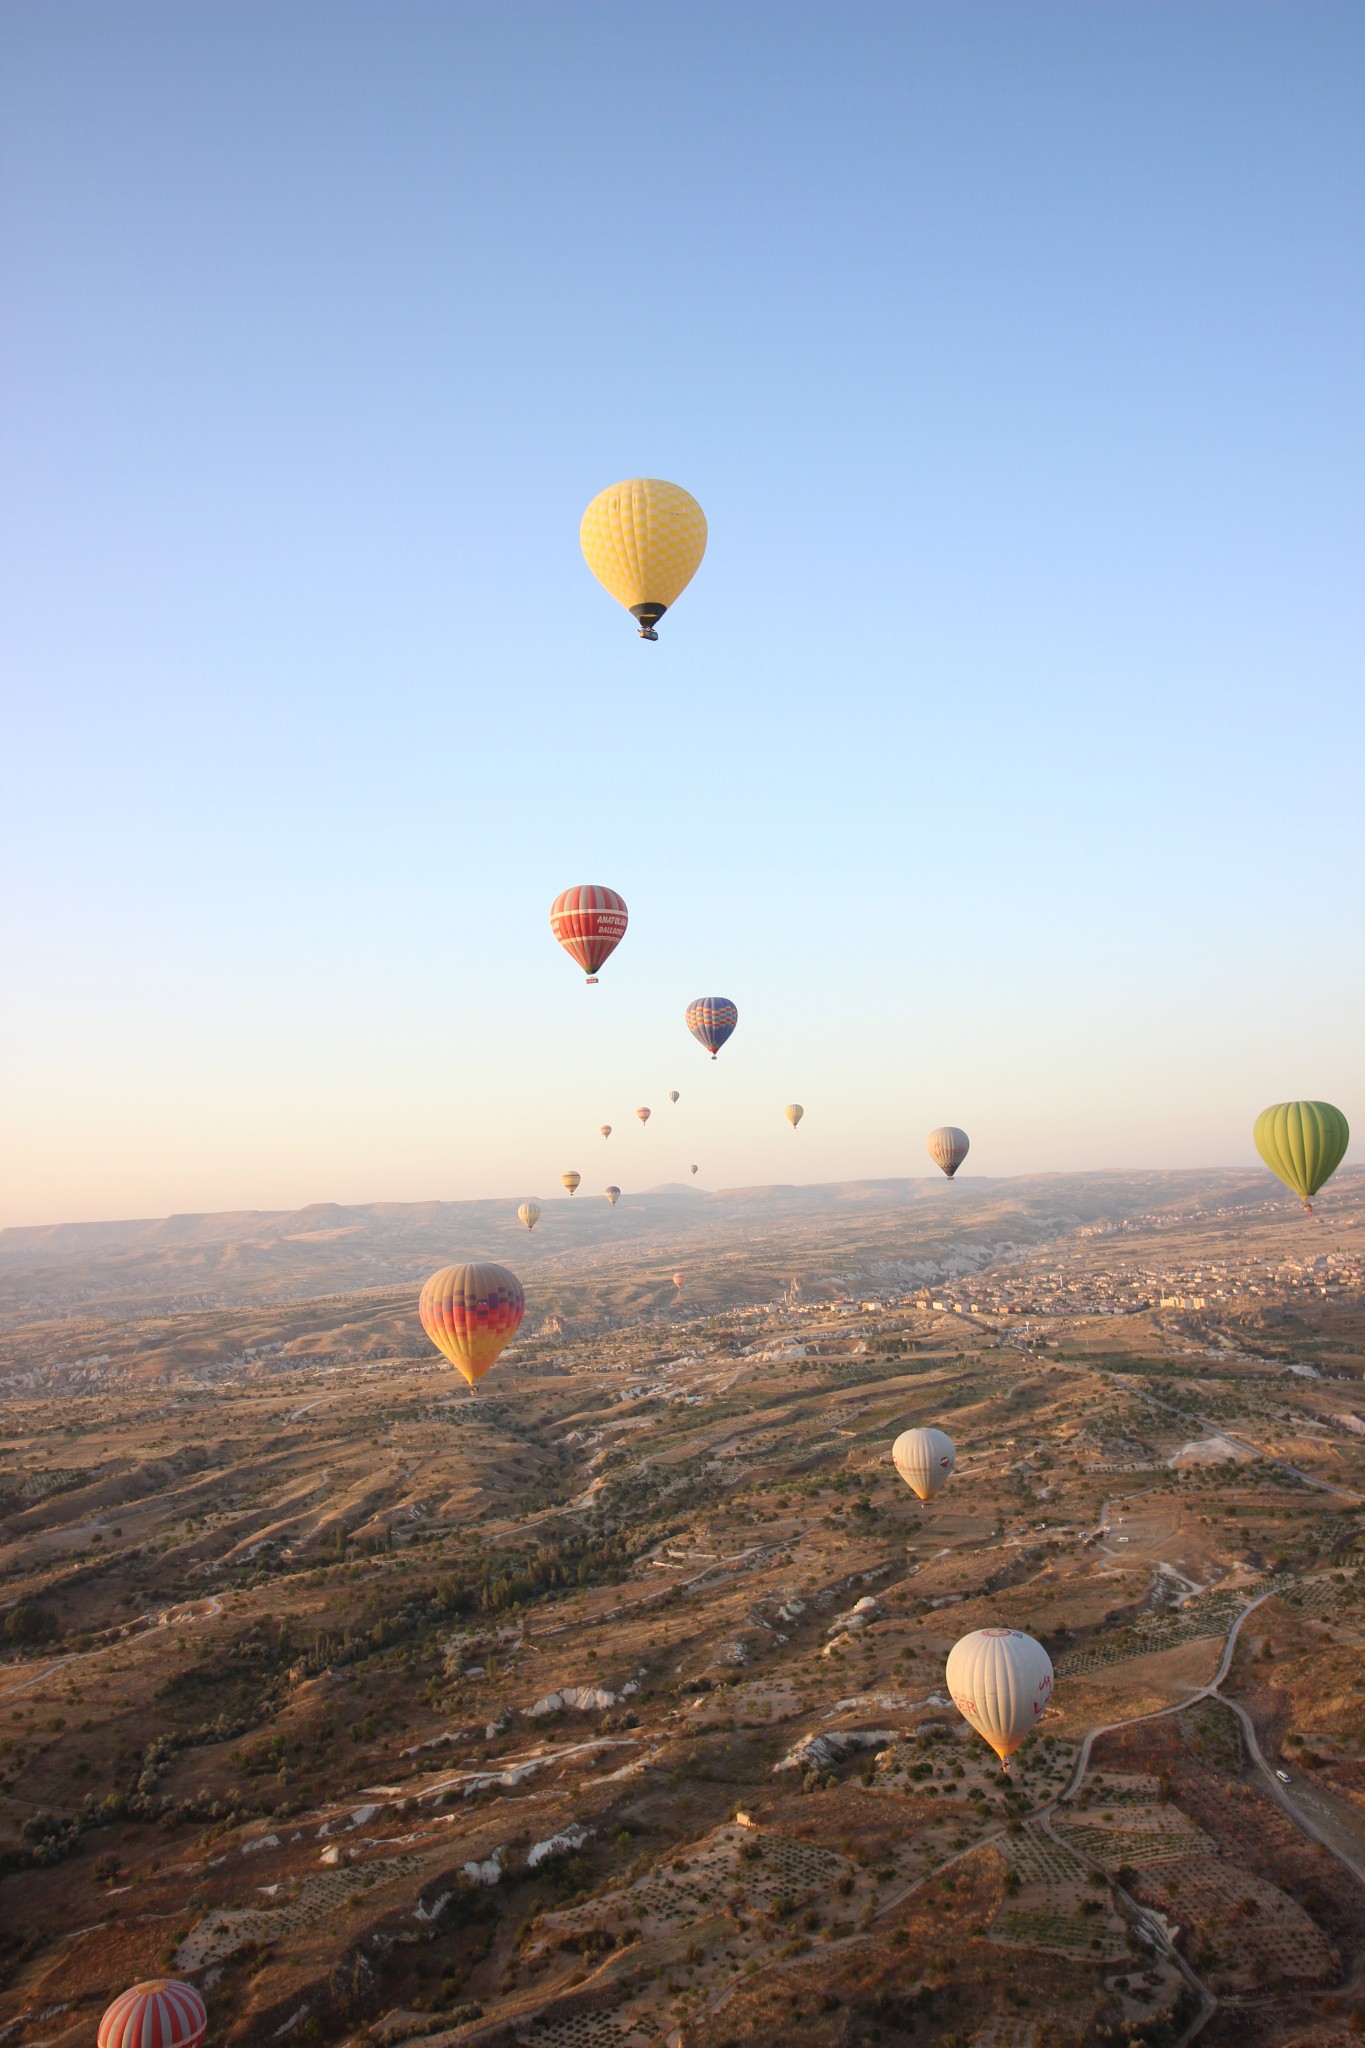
{"points": [[29, 1623]]}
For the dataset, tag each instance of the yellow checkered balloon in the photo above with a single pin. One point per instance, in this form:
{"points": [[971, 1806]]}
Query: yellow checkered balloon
{"points": [[643, 541]]}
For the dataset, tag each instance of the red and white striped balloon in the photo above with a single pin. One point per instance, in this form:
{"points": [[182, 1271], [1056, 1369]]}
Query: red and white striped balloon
{"points": [[162, 2013], [590, 923]]}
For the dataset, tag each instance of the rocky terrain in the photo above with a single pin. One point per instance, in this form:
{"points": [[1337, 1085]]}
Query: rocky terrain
{"points": [[607, 1707]]}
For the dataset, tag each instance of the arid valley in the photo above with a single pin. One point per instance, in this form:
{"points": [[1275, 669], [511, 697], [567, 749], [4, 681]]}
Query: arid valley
{"points": [[606, 1707]]}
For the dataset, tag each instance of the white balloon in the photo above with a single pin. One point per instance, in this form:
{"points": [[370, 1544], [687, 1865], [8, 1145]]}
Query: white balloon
{"points": [[1001, 1681], [925, 1459]]}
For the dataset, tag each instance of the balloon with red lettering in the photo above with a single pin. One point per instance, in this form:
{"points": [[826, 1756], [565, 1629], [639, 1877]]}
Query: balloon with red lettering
{"points": [[925, 1459], [590, 923], [1001, 1681]]}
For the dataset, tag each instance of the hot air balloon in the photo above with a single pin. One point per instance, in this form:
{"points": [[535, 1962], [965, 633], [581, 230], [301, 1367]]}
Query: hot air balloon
{"points": [[1001, 1681], [162, 2013], [570, 1180], [644, 540], [472, 1313], [672, 1094], [678, 1282], [711, 1019], [947, 1147], [606, 1130], [793, 1113], [692, 1169], [643, 1115], [925, 1459], [529, 1214], [590, 923], [1304, 1143], [613, 1196]]}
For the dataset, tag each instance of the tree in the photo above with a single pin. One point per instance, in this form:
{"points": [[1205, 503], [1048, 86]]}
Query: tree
{"points": [[29, 1623]]}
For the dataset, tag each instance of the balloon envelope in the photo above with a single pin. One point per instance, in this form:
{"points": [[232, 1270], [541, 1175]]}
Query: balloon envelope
{"points": [[1303, 1142], [472, 1313], [692, 1169], [529, 1214], [160, 2013], [711, 1019], [606, 1130], [925, 1459], [1001, 1681], [613, 1196], [570, 1180], [672, 1094], [678, 1282], [793, 1113], [947, 1147], [644, 540], [590, 923], [643, 1115]]}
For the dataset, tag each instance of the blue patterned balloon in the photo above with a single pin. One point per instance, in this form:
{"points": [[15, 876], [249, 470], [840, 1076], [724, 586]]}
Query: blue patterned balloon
{"points": [[712, 1019]]}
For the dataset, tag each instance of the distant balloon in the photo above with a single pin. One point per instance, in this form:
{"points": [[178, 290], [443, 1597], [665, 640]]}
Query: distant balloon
{"points": [[606, 1130], [472, 1313], [590, 923], [644, 540], [692, 1169], [1001, 1681], [793, 1113], [613, 1196], [711, 1019], [644, 1115], [1304, 1143], [570, 1180], [160, 2013], [925, 1459], [678, 1282], [672, 1094], [529, 1214], [947, 1147]]}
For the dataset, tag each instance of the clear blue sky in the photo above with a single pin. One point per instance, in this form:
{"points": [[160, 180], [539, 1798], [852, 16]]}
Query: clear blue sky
{"points": [[1003, 762]]}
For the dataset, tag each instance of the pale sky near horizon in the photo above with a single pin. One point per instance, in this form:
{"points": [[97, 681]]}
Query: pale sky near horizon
{"points": [[1004, 761]]}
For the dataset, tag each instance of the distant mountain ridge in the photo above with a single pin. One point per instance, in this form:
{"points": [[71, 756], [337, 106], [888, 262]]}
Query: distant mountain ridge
{"points": [[242, 1256]]}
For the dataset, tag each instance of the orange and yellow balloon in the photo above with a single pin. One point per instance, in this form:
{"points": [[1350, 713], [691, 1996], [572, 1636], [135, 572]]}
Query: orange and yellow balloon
{"points": [[471, 1313], [570, 1180]]}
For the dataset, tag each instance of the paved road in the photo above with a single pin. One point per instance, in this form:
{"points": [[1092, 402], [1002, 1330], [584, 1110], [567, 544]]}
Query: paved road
{"points": [[1303, 1802]]}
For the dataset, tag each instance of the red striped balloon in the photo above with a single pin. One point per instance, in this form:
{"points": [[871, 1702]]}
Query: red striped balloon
{"points": [[590, 923], [947, 1147], [162, 2013]]}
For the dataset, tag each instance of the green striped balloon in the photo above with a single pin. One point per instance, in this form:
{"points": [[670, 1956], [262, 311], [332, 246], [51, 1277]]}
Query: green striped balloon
{"points": [[1303, 1142]]}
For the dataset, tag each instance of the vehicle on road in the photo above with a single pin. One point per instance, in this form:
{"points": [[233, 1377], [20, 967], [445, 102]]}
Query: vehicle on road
{"points": [[1284, 1777]]}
